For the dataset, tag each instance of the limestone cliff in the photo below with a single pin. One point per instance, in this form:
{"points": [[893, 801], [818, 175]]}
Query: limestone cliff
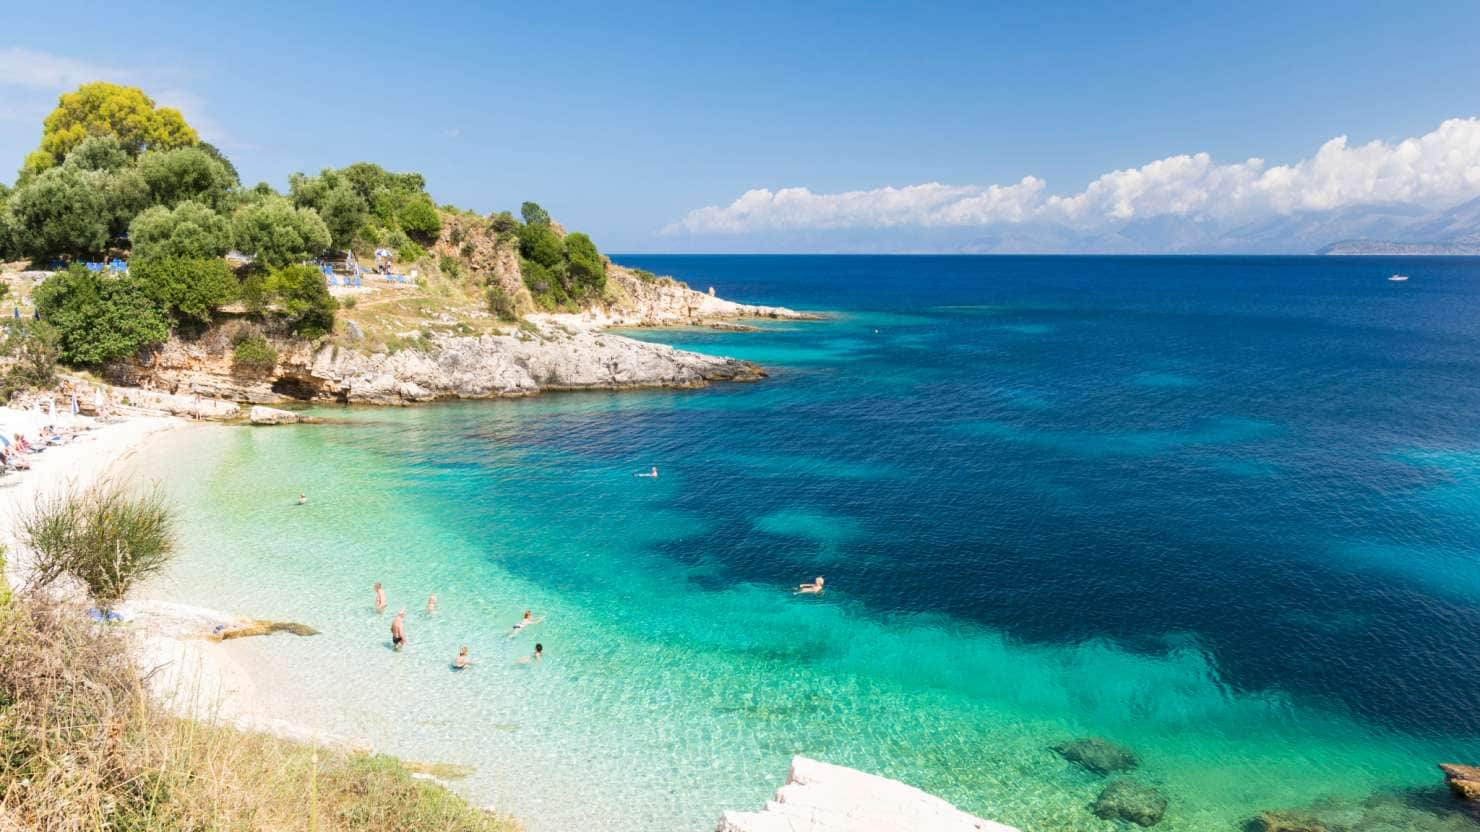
{"points": [[536, 358]]}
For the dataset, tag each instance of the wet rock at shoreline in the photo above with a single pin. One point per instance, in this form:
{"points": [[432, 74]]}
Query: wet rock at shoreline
{"points": [[260, 415], [1464, 781], [1098, 755], [264, 628], [1418, 810], [1289, 822], [1128, 800]]}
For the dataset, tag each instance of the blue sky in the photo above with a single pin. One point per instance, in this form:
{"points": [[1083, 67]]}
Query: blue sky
{"points": [[622, 119]]}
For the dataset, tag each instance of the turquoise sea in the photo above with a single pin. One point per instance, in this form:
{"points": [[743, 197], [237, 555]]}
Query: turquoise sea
{"points": [[1223, 511]]}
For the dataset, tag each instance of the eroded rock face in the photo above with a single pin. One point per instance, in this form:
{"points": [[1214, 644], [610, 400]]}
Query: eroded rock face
{"points": [[548, 357], [1128, 800], [1464, 781], [1098, 755]]}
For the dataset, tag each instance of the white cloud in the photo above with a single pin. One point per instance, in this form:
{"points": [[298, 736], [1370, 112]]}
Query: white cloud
{"points": [[22, 67], [1437, 168]]}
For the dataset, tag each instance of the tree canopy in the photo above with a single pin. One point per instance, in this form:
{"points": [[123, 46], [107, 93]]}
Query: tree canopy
{"points": [[277, 233], [104, 109], [99, 319], [190, 229]]}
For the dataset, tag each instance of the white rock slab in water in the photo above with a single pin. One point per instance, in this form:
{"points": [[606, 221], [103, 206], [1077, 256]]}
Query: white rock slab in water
{"points": [[820, 797]]}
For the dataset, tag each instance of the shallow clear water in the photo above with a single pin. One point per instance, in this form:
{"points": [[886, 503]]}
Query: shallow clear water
{"points": [[1221, 510]]}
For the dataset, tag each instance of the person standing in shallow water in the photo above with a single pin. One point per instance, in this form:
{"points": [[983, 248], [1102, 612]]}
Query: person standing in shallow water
{"points": [[398, 630], [379, 598], [432, 604]]}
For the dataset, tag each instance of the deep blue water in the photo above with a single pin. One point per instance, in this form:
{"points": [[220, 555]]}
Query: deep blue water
{"points": [[1277, 457]]}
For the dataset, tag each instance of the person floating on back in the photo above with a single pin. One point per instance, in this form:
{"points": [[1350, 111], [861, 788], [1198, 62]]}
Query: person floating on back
{"points": [[653, 474], [398, 631], [527, 620], [379, 598], [814, 588]]}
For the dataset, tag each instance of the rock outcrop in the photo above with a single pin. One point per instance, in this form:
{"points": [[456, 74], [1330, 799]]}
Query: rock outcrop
{"points": [[260, 415], [1098, 755], [819, 797], [1128, 800], [537, 358], [1464, 781]]}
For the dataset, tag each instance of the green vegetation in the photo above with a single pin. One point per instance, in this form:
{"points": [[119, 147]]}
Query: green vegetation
{"points": [[103, 109], [305, 300], [277, 233], [253, 352], [117, 176], [105, 538], [30, 349], [190, 229], [99, 319]]}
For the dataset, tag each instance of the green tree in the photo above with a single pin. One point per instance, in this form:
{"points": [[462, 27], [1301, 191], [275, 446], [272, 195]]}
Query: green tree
{"points": [[419, 218], [101, 153], [186, 173], [538, 243], [305, 300], [125, 194], [503, 223], [189, 288], [8, 248], [533, 214], [277, 233], [215, 153], [99, 319], [103, 109], [587, 268], [341, 207], [188, 230], [60, 212]]}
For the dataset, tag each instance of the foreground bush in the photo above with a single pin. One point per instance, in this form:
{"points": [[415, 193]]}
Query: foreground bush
{"points": [[104, 537], [305, 300], [254, 353], [192, 288], [30, 348], [83, 748]]}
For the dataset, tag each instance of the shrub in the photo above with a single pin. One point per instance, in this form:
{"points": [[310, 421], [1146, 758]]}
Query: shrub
{"points": [[305, 299], [504, 223], [31, 347], [410, 253], [186, 173], [500, 304], [192, 288], [99, 319], [99, 153], [104, 537], [277, 233], [419, 219], [349, 302], [467, 249], [254, 291], [254, 352], [449, 266], [587, 268], [539, 243], [189, 230]]}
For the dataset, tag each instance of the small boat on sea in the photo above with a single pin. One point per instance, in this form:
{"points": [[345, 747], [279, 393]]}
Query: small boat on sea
{"points": [[1398, 278]]}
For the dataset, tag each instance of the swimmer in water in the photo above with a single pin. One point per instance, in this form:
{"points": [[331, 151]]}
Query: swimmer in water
{"points": [[379, 598], [302, 499], [462, 661], [398, 631], [539, 653], [527, 620], [432, 605], [814, 588], [653, 474]]}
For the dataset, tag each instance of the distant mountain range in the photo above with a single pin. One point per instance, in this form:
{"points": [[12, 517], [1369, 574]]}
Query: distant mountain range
{"points": [[1370, 229]]}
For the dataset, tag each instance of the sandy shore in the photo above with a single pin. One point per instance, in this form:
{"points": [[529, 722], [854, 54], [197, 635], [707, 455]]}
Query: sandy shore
{"points": [[185, 669]]}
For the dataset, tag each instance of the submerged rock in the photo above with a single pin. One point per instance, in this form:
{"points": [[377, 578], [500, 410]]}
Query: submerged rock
{"points": [[1128, 800], [1464, 781], [1289, 822], [1098, 755], [265, 628]]}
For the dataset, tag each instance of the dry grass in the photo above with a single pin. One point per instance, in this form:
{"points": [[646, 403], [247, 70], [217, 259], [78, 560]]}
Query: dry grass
{"points": [[82, 747]]}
